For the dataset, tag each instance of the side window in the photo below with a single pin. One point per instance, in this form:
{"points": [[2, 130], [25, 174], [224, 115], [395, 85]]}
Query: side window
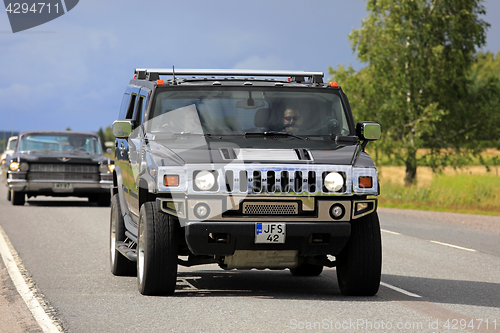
{"points": [[141, 108], [124, 106], [130, 110]]}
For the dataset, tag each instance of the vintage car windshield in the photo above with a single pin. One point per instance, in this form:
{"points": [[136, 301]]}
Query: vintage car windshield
{"points": [[57, 144], [239, 111], [11, 144]]}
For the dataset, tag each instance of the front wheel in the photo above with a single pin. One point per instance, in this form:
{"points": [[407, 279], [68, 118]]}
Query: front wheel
{"points": [[17, 198], [359, 264], [103, 200], [120, 265], [157, 251]]}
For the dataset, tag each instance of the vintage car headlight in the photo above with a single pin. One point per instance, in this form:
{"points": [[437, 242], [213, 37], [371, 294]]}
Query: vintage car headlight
{"points": [[334, 181], [111, 167], [24, 167], [14, 166], [204, 180]]}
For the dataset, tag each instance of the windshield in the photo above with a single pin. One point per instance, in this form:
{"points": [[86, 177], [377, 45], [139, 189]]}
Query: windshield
{"points": [[11, 144], [56, 144], [239, 111]]}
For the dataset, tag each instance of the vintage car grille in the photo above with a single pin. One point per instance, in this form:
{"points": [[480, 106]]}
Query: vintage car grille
{"points": [[276, 181], [63, 172], [274, 208]]}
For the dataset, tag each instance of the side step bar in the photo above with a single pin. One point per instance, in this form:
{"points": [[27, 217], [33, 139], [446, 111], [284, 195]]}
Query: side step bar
{"points": [[123, 248]]}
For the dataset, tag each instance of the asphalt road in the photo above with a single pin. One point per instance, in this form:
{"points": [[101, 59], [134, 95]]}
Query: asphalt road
{"points": [[438, 268]]}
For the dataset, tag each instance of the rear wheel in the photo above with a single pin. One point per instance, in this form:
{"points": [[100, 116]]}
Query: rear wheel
{"points": [[17, 198], [359, 264], [120, 265], [156, 252]]}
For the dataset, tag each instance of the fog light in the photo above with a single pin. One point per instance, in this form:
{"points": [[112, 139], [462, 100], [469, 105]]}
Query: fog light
{"points": [[337, 212], [201, 211]]}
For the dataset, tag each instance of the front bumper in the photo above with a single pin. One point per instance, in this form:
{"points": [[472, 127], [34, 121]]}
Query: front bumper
{"points": [[202, 237], [50, 187]]}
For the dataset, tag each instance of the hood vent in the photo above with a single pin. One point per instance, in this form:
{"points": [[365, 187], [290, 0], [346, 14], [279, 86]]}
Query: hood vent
{"points": [[251, 154]]}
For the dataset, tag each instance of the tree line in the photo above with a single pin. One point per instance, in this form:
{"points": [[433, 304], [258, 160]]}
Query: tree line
{"points": [[426, 81]]}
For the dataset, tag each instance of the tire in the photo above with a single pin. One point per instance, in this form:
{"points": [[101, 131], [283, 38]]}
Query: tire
{"points": [[17, 198], [157, 251], [104, 200], [307, 270], [120, 265], [359, 264], [9, 195]]}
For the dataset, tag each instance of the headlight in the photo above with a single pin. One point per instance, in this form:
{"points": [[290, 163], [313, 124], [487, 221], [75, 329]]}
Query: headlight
{"points": [[204, 180], [24, 167], [14, 166], [111, 167], [334, 181]]}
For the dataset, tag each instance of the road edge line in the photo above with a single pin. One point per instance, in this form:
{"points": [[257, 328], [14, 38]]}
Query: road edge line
{"points": [[7, 252], [399, 290], [454, 246]]}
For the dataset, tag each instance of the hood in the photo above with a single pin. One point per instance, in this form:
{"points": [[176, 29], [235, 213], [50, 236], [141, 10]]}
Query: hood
{"points": [[226, 152]]}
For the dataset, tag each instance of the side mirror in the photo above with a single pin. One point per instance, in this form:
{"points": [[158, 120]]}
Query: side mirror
{"points": [[368, 130], [122, 128]]}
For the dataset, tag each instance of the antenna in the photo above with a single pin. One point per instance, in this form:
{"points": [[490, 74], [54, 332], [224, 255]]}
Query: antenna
{"points": [[173, 73]]}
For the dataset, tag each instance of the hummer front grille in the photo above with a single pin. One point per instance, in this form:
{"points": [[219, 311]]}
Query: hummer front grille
{"points": [[277, 181]]}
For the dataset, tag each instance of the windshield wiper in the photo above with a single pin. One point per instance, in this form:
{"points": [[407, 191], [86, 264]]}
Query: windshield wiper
{"points": [[270, 133]]}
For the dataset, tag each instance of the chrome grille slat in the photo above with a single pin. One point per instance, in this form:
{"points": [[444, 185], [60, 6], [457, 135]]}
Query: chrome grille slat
{"points": [[63, 172], [58, 176], [36, 167]]}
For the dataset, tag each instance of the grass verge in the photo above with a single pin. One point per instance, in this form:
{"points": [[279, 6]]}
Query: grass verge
{"points": [[462, 193]]}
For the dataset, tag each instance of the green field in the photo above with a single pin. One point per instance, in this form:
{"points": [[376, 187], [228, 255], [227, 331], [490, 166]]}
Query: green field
{"points": [[460, 193]]}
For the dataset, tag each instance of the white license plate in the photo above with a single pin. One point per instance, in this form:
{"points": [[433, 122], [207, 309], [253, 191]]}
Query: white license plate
{"points": [[270, 232], [63, 187]]}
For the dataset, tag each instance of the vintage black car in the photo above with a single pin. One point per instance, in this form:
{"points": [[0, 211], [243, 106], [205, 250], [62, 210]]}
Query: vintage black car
{"points": [[58, 163], [246, 169]]}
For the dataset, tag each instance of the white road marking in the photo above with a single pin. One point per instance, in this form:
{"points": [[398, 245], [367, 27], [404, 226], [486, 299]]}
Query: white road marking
{"points": [[391, 232], [455, 246], [399, 290], [29, 298]]}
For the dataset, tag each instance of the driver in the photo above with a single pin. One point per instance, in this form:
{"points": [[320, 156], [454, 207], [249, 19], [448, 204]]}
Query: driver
{"points": [[292, 119], [76, 141]]}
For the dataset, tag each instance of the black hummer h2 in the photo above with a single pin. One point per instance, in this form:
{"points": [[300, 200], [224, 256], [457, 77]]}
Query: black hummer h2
{"points": [[247, 169]]}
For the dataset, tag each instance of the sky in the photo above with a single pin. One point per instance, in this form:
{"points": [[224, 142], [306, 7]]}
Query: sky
{"points": [[72, 71]]}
